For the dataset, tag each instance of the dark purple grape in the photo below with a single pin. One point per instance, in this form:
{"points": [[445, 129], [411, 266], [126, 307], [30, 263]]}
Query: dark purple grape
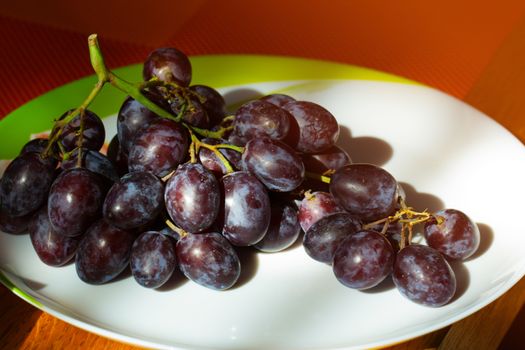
{"points": [[93, 135], [25, 184], [365, 191], [192, 197], [14, 224], [211, 162], [316, 206], [159, 148], [453, 234], [39, 146], [212, 101], [424, 276], [193, 111], [209, 260], [75, 201], [133, 117], [103, 253], [134, 201], [284, 228], [52, 248], [168, 64], [153, 259], [331, 159], [93, 161], [315, 129], [277, 99], [259, 118], [275, 164], [363, 260], [117, 156], [323, 237], [246, 209]]}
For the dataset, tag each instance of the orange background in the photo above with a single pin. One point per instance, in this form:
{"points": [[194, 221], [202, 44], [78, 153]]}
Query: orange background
{"points": [[446, 44]]}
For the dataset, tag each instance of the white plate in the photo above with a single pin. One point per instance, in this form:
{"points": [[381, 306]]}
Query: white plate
{"points": [[446, 154]]}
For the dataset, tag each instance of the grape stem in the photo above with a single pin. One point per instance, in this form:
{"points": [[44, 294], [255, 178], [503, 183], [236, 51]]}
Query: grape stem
{"points": [[408, 218], [196, 144], [322, 178], [176, 229]]}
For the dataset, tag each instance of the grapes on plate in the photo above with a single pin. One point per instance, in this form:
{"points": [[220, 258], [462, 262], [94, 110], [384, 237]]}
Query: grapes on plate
{"points": [[192, 197], [209, 260], [275, 164], [103, 253], [134, 201], [25, 184], [187, 181], [424, 276], [246, 214], [363, 259], [365, 191], [324, 236], [453, 234], [153, 259], [75, 201]]}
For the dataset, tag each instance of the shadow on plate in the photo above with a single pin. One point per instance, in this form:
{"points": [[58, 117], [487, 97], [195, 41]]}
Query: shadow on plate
{"points": [[364, 149], [486, 235], [386, 285], [249, 265], [176, 280], [420, 200], [462, 278]]}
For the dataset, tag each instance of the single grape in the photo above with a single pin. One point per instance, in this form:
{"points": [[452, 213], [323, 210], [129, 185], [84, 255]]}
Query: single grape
{"points": [[209, 260], [323, 237], [52, 248], [424, 276], [210, 160], [14, 224], [193, 111], [284, 228], [153, 259], [363, 260], [259, 118], [93, 135], [277, 99], [331, 159], [133, 117], [316, 206], [93, 161], [75, 201], [246, 209], [117, 156], [274, 163], [168, 64], [315, 129], [365, 191], [159, 148], [103, 253], [134, 201], [212, 101], [39, 145], [192, 197], [25, 184], [453, 234]]}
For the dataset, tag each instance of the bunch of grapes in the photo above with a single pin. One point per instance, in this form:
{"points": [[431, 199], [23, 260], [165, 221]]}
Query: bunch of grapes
{"points": [[184, 185]]}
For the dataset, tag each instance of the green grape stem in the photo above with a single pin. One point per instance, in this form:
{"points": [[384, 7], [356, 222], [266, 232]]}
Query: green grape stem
{"points": [[319, 177]]}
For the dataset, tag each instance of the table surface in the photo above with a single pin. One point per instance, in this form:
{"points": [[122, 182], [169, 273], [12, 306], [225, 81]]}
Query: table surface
{"points": [[481, 64]]}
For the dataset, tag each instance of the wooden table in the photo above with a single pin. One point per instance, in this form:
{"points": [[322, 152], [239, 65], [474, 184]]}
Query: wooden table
{"points": [[498, 90]]}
